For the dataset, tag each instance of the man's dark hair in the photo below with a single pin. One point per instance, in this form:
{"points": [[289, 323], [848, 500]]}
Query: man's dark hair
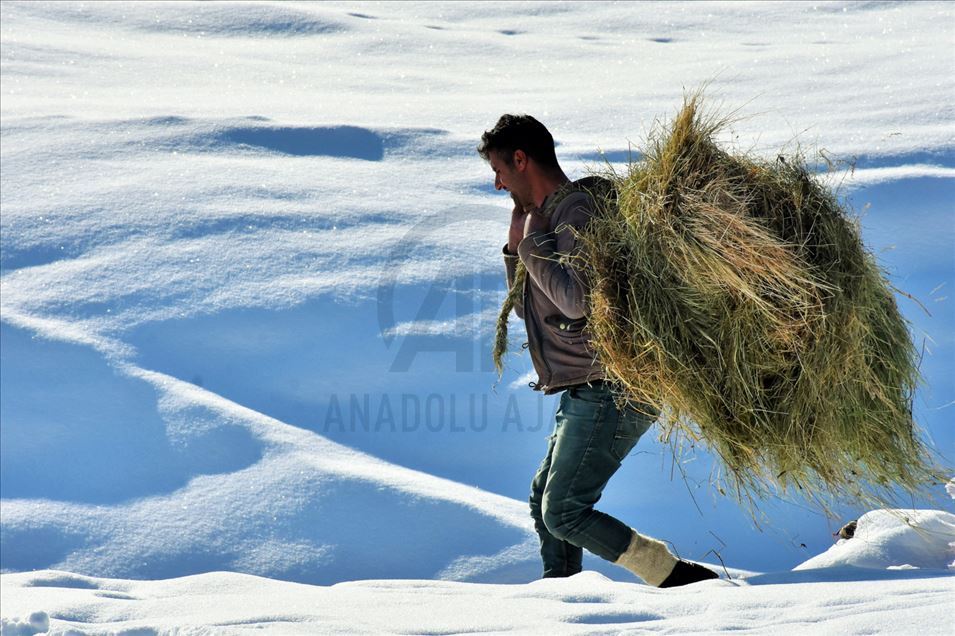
{"points": [[519, 132]]}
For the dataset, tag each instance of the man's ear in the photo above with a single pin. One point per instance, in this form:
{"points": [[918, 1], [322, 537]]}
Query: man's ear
{"points": [[520, 160]]}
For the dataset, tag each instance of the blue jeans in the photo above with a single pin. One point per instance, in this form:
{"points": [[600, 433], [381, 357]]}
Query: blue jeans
{"points": [[591, 438]]}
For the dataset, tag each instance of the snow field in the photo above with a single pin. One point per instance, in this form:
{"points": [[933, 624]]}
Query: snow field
{"points": [[219, 220]]}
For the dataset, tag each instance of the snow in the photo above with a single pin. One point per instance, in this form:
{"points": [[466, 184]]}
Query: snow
{"points": [[887, 539], [839, 601], [249, 271]]}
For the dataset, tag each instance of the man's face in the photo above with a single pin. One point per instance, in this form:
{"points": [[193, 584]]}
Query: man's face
{"points": [[511, 177]]}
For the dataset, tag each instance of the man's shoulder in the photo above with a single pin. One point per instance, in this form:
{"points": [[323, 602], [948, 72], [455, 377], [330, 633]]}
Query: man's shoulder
{"points": [[575, 208], [585, 192], [577, 197]]}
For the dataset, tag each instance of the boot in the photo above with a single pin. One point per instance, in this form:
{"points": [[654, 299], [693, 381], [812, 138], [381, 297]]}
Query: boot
{"points": [[652, 561], [648, 558], [685, 572]]}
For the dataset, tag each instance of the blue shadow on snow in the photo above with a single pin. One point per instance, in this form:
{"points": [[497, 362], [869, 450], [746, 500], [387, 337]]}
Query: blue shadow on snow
{"points": [[74, 429], [844, 574], [334, 141]]}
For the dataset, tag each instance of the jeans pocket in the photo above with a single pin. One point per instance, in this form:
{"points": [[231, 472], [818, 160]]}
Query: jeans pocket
{"points": [[622, 445], [631, 425]]}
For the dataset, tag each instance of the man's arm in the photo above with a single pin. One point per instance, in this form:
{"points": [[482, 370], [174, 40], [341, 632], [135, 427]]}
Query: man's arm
{"points": [[514, 236], [541, 250]]}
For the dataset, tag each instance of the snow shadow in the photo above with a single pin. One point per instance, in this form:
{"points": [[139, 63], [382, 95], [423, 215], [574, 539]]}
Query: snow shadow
{"points": [[74, 429], [334, 141], [625, 155], [350, 529], [64, 580], [845, 574], [614, 618], [410, 536], [910, 226], [38, 544], [944, 157], [415, 387], [253, 21]]}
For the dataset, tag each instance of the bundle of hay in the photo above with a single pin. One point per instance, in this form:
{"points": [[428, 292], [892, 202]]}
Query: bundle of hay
{"points": [[735, 295]]}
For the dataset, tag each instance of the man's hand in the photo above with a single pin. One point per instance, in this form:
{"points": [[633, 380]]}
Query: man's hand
{"points": [[516, 233]]}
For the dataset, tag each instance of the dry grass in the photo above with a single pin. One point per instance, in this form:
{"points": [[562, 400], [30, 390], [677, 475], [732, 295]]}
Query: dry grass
{"points": [[736, 295]]}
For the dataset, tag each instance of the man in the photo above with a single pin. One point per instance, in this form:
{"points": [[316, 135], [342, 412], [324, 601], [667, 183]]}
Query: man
{"points": [[592, 433]]}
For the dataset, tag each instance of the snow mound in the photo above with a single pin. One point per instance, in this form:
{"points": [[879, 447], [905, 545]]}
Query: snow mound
{"points": [[303, 508], [894, 539], [35, 623], [587, 603]]}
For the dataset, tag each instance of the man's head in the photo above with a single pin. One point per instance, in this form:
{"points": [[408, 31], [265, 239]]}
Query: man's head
{"points": [[520, 150]]}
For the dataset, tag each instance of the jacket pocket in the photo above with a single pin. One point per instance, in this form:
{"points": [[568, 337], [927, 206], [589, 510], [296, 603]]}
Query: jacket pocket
{"points": [[570, 331]]}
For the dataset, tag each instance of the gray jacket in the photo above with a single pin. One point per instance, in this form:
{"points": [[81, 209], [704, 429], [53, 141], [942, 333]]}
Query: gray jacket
{"points": [[554, 304]]}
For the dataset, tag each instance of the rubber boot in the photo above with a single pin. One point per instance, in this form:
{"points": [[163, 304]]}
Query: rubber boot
{"points": [[686, 572], [648, 558], [652, 561]]}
